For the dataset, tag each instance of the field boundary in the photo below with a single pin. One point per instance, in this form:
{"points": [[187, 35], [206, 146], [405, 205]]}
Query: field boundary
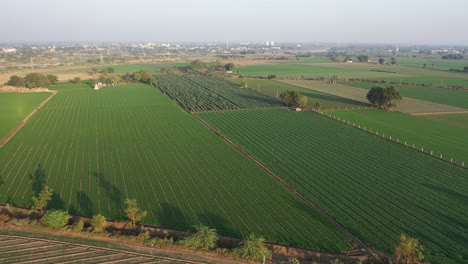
{"points": [[13, 132], [361, 246]]}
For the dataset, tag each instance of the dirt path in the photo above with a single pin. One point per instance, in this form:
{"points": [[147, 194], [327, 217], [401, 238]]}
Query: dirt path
{"points": [[360, 246], [4, 140]]}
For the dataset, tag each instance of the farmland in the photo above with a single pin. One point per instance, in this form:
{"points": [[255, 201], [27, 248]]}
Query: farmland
{"points": [[14, 107], [437, 95], [208, 94], [407, 105], [441, 138], [272, 88], [455, 120], [375, 188], [96, 148], [18, 249]]}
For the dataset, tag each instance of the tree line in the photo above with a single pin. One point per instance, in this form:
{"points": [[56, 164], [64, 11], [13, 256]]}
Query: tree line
{"points": [[32, 80]]}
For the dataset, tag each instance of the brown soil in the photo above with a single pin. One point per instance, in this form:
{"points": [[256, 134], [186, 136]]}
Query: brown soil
{"points": [[441, 113]]}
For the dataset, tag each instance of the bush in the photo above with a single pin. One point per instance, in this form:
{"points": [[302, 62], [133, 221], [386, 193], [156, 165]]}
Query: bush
{"points": [[55, 219], [204, 239], [4, 218], [98, 222], [78, 226], [252, 248], [160, 242]]}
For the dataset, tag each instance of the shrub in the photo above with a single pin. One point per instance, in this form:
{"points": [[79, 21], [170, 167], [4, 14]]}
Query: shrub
{"points": [[55, 219], [98, 222], [252, 248], [160, 242], [78, 226], [4, 218], [204, 239]]}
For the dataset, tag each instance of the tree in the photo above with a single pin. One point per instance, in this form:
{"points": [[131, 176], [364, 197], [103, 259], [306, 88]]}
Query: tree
{"points": [[33, 80], [409, 251], [465, 69], [294, 98], [98, 222], [229, 66], [43, 198], [204, 239], [381, 61], [16, 81], [53, 79], [76, 80], [384, 97], [317, 105], [393, 60], [56, 219], [133, 211], [363, 58], [252, 248]]}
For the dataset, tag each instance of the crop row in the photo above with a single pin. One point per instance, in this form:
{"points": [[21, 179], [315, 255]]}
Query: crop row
{"points": [[210, 93], [374, 188], [96, 148]]}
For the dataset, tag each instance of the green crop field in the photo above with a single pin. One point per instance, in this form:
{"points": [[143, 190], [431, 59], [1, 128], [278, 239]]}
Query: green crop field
{"points": [[455, 120], [434, 62], [375, 188], [14, 107], [438, 95], [97, 148], [441, 138], [272, 88], [209, 93]]}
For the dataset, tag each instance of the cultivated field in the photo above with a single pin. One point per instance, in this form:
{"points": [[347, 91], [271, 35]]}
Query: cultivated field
{"points": [[211, 94], [431, 135], [16, 249], [14, 107], [455, 120], [437, 95], [407, 105], [274, 88], [374, 188], [96, 148]]}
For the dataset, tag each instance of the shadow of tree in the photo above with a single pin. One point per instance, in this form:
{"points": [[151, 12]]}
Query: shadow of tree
{"points": [[38, 179], [114, 194]]}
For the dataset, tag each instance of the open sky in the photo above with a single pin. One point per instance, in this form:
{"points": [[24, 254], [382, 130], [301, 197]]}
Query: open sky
{"points": [[363, 21]]}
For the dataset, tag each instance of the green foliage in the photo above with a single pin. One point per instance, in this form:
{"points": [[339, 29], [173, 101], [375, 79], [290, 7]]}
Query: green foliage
{"points": [[336, 261], [294, 98], [98, 222], [252, 248], [229, 66], [33, 80], [409, 251], [204, 239], [16, 81], [43, 198], [160, 242], [133, 211], [55, 219], [293, 260], [385, 98], [77, 226], [142, 76], [143, 237], [76, 80], [363, 58], [53, 79]]}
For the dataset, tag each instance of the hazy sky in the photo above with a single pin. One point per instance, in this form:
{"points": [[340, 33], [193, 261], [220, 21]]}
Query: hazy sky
{"points": [[363, 21]]}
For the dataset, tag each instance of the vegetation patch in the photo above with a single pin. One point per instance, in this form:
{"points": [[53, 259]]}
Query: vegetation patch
{"points": [[374, 188]]}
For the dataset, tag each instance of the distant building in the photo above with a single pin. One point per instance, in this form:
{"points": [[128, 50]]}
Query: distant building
{"points": [[267, 43], [8, 50]]}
